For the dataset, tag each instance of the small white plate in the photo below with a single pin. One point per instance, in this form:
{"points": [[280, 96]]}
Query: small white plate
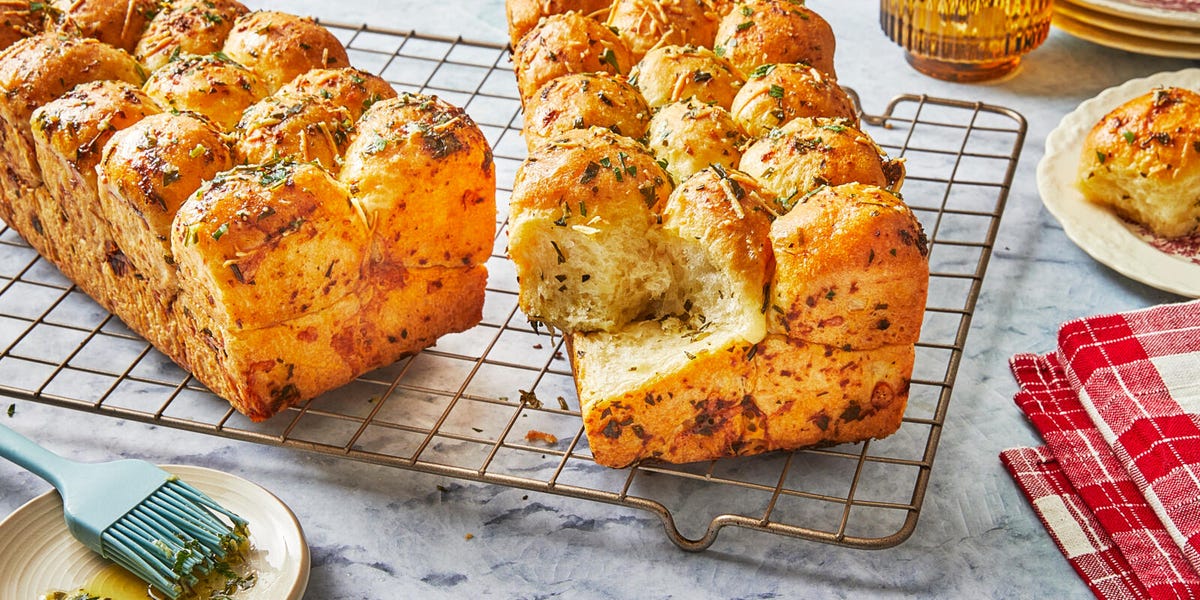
{"points": [[1077, 10], [39, 555], [1123, 40], [1095, 229], [1166, 12]]}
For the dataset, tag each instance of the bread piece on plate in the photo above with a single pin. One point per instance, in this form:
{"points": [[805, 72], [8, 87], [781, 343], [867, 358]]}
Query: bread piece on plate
{"points": [[567, 43], [670, 74], [777, 93], [583, 232], [146, 173], [1142, 160], [304, 127], [118, 24], [279, 46], [583, 100], [211, 85], [524, 15], [808, 153], [422, 173], [187, 27], [763, 32], [648, 24], [852, 269], [35, 71], [690, 136]]}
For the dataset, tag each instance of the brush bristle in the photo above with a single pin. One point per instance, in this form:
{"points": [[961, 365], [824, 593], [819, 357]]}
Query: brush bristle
{"points": [[172, 535]]}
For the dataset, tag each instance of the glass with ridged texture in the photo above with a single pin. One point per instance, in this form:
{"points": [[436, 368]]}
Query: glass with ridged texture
{"points": [[966, 40]]}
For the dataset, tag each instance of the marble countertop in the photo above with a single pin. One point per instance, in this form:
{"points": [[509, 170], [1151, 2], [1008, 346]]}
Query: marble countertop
{"points": [[378, 532]]}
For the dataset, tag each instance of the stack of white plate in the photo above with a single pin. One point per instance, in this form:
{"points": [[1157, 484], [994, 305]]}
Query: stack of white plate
{"points": [[1158, 27]]}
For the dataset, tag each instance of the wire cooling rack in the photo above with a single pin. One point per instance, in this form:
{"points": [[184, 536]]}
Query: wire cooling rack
{"points": [[497, 404]]}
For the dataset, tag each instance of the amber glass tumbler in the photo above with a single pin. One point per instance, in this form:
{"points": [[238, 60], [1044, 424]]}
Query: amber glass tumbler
{"points": [[966, 40]]}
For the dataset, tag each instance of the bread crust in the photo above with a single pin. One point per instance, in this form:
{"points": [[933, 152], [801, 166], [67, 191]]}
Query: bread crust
{"points": [[187, 27], [116, 23], [524, 15], [279, 46], [212, 85], [567, 43], [762, 32], [774, 94], [852, 269], [583, 100], [1142, 160], [670, 74], [648, 24], [808, 153], [690, 136]]}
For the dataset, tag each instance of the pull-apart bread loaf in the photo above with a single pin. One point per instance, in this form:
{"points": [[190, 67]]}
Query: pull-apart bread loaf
{"points": [[272, 219], [1142, 160], [742, 278]]}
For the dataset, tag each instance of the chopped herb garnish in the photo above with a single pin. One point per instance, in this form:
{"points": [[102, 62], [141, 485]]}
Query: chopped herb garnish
{"points": [[775, 91], [378, 145], [170, 175], [220, 231], [589, 172], [610, 58], [561, 259], [198, 151], [701, 76], [744, 25], [1128, 135], [1101, 157], [762, 71], [237, 272], [12, 409]]}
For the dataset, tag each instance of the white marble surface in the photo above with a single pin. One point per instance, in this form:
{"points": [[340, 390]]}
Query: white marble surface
{"points": [[378, 532]]}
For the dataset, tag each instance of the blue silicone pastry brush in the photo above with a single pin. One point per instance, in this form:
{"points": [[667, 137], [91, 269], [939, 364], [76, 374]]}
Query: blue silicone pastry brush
{"points": [[159, 528]]}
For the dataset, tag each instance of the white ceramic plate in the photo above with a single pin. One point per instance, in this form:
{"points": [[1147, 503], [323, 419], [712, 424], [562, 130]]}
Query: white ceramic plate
{"points": [[1106, 237], [1167, 12], [1077, 10], [1125, 41], [38, 554]]}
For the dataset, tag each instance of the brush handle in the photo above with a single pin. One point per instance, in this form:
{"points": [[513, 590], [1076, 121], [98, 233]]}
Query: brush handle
{"points": [[38, 460]]}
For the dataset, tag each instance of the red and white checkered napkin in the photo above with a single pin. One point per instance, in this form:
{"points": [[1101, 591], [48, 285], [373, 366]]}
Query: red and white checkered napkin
{"points": [[1119, 408]]}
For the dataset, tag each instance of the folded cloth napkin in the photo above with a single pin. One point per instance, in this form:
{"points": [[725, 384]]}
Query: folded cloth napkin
{"points": [[1118, 406]]}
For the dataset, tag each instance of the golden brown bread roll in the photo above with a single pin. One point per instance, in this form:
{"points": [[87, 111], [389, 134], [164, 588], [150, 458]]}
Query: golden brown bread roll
{"points": [[762, 32], [808, 153], [187, 27], [146, 173], [581, 231], [852, 269], [423, 173], [349, 88], [583, 100], [567, 43], [303, 127], [674, 73], [116, 23], [19, 20], [775, 94], [69, 136], [647, 24], [1143, 161], [269, 243], [524, 15], [211, 85], [690, 136], [279, 46]]}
